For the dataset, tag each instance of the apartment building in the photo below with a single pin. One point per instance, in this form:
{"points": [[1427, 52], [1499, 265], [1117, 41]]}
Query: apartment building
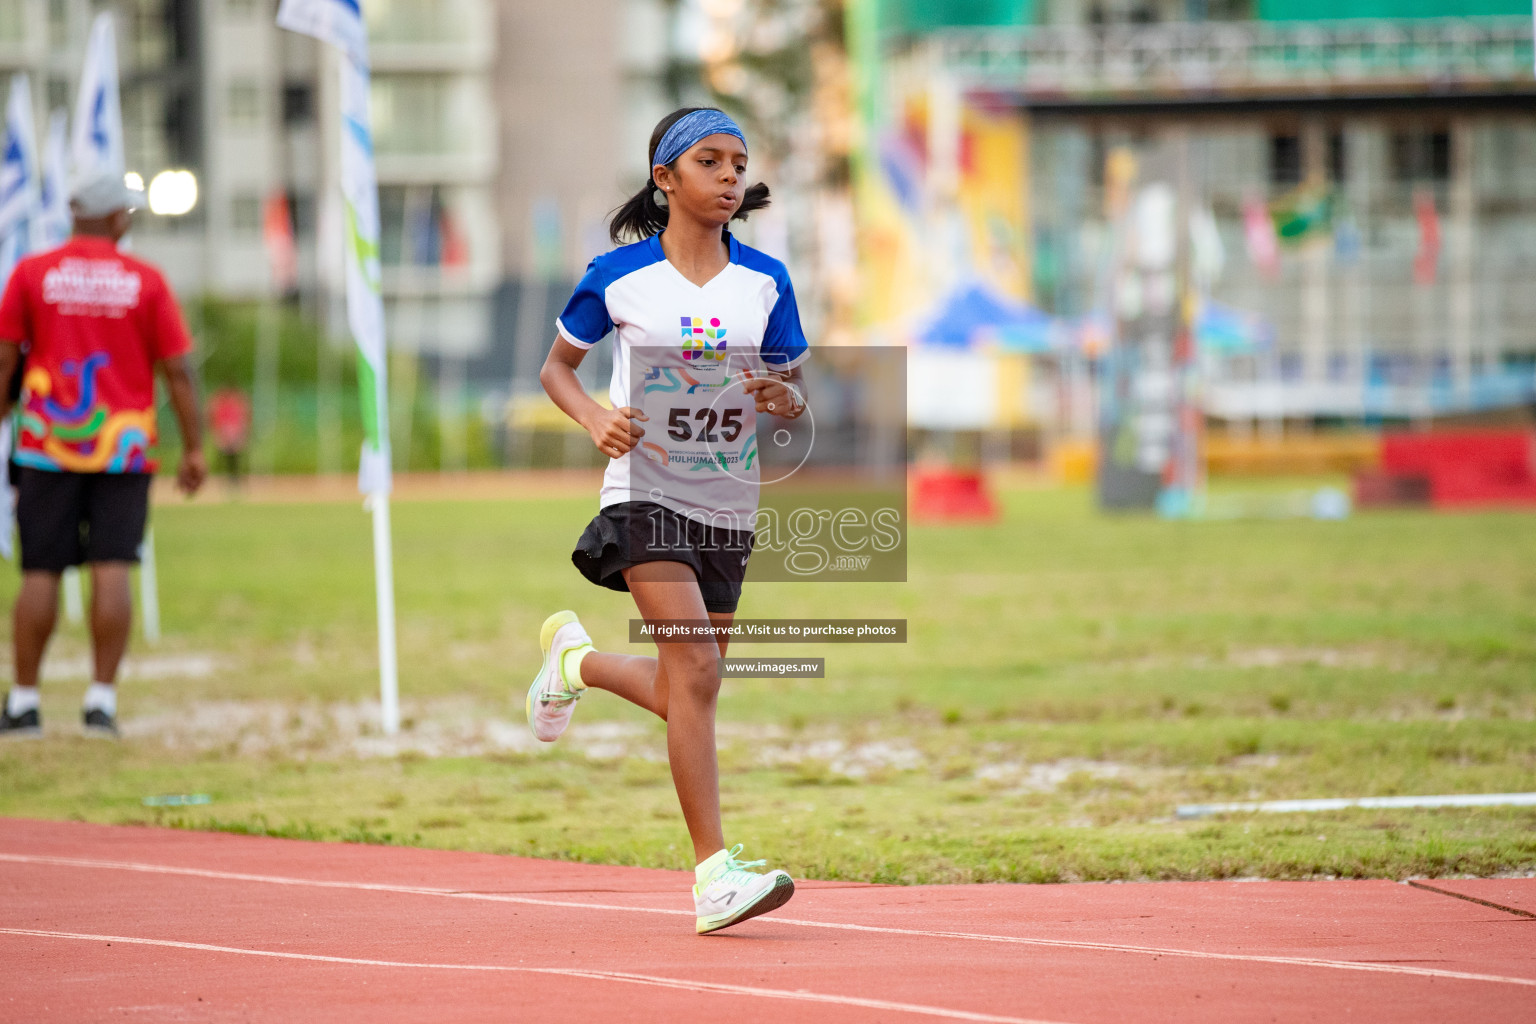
{"points": [[504, 132], [1410, 125]]}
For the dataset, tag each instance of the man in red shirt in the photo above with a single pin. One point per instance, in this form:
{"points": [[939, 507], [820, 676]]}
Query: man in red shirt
{"points": [[230, 416], [94, 324]]}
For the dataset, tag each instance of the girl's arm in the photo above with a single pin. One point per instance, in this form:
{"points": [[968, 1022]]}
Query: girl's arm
{"points": [[612, 430]]}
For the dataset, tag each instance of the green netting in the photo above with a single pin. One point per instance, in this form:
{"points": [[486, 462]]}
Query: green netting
{"points": [[911, 16], [1328, 10]]}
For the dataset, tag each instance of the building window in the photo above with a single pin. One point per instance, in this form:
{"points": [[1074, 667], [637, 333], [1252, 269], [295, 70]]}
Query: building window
{"points": [[298, 104], [244, 103], [148, 37], [1288, 160], [1285, 160], [427, 114], [245, 215], [302, 206], [1421, 155], [58, 94], [1338, 158], [1122, 14], [13, 25], [58, 23], [1226, 10], [183, 135]]}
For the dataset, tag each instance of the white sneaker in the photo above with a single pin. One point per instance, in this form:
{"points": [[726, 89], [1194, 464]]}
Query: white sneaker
{"points": [[553, 697], [731, 894]]}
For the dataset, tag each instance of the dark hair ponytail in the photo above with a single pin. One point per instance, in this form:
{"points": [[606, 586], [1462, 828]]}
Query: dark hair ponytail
{"points": [[755, 198], [641, 216]]}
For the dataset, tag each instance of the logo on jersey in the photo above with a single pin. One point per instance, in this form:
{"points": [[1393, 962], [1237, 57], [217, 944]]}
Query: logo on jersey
{"points": [[697, 337], [92, 288]]}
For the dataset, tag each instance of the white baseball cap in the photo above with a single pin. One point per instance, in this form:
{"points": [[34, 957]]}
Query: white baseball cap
{"points": [[100, 192]]}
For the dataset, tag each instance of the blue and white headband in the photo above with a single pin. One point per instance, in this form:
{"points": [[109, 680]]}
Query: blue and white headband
{"points": [[687, 130]]}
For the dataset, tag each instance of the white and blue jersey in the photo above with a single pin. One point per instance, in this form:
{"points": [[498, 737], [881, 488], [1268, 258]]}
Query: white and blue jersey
{"points": [[683, 353]]}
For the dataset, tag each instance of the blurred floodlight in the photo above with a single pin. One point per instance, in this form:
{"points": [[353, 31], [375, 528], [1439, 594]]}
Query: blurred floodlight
{"points": [[719, 45], [134, 180], [172, 193]]}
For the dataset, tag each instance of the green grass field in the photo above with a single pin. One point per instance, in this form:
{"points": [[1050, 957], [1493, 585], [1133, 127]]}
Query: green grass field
{"points": [[1069, 679]]}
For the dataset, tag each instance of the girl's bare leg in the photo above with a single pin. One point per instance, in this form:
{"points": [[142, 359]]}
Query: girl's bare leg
{"points": [[680, 685], [639, 678]]}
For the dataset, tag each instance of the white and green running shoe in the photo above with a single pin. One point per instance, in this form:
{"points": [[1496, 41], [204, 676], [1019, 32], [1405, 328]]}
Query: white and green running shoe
{"points": [[728, 893], [555, 690]]}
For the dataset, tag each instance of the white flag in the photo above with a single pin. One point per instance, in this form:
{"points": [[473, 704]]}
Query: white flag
{"points": [[365, 300], [20, 204], [340, 23], [19, 189], [55, 220], [98, 139]]}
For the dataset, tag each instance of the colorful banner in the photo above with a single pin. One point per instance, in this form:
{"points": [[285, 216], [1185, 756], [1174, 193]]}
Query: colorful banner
{"points": [[340, 23], [277, 235], [1303, 214], [1259, 233], [98, 138], [1426, 261], [918, 241]]}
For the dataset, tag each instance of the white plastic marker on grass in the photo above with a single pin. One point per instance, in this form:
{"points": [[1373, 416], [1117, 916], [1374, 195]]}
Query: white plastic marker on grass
{"points": [[149, 589], [74, 596], [1293, 806]]}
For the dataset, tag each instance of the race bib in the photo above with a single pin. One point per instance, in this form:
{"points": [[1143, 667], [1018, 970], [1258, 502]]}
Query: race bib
{"points": [[700, 445]]}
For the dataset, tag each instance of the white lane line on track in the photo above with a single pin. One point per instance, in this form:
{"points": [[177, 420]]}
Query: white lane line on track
{"points": [[235, 876], [1104, 947], [651, 980]]}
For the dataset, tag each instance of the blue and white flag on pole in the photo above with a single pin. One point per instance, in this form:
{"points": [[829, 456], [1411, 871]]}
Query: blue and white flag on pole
{"points": [[98, 138], [365, 300], [20, 204], [19, 188], [340, 23], [55, 221]]}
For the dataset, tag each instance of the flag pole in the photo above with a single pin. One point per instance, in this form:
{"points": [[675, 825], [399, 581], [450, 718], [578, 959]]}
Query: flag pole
{"points": [[384, 576], [340, 24], [383, 558]]}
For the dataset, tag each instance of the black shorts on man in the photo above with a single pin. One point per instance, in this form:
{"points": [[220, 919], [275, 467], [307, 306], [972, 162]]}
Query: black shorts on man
{"points": [[632, 532], [67, 519]]}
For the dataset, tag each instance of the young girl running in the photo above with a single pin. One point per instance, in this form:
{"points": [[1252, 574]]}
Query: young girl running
{"points": [[708, 337]]}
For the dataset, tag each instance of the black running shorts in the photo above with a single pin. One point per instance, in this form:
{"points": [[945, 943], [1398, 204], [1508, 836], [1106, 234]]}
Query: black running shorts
{"points": [[633, 532], [68, 519]]}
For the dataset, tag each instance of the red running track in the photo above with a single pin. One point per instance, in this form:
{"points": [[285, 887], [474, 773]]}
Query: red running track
{"points": [[102, 923]]}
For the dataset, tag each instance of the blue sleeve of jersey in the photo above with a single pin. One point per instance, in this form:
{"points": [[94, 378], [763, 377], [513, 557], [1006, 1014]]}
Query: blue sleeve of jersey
{"points": [[784, 343], [585, 319]]}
